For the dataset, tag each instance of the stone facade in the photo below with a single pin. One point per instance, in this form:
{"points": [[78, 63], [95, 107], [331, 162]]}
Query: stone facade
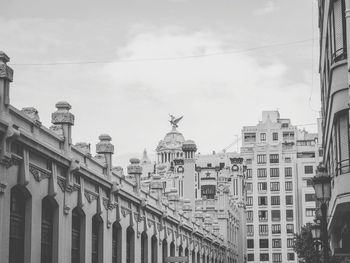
{"points": [[60, 204]]}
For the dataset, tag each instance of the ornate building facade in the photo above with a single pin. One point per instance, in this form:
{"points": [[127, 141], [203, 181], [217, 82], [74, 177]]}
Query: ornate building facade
{"points": [[59, 203]]}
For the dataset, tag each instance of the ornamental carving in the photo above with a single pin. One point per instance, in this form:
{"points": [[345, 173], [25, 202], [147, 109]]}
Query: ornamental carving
{"points": [[90, 196], [38, 174], [2, 187], [6, 72], [62, 117]]}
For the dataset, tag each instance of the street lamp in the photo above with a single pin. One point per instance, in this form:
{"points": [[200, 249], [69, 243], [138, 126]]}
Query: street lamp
{"points": [[322, 186], [316, 232]]}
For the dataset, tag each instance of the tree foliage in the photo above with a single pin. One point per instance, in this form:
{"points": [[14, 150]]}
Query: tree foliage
{"points": [[304, 246]]}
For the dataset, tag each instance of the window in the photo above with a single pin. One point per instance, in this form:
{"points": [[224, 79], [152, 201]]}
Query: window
{"points": [[276, 229], [262, 137], [248, 161], [209, 165], [261, 158], [289, 199], [263, 243], [310, 198], [249, 216], [276, 257], [263, 230], [130, 245], [249, 187], [249, 201], [289, 215], [262, 186], [144, 247], [308, 169], [287, 160], [263, 215], [76, 237], [290, 256], [288, 136], [288, 172], [274, 158], [290, 242], [289, 186], [262, 200], [96, 240], [250, 243], [261, 172], [275, 136], [274, 172], [290, 229], [274, 186], [309, 183], [249, 173], [116, 243], [46, 231], [275, 215], [275, 200], [276, 243], [264, 257], [249, 137], [250, 257], [310, 212], [250, 230]]}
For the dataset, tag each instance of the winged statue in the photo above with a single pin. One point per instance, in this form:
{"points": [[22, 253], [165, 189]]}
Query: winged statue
{"points": [[174, 121]]}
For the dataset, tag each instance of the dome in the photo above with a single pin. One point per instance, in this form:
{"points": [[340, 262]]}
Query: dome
{"points": [[172, 140], [189, 145]]}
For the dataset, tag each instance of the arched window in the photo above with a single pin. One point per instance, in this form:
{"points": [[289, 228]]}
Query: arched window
{"points": [[172, 249], [154, 249], [203, 258], [144, 247], [193, 256], [198, 257], [130, 245], [164, 249], [116, 243], [47, 229], [77, 235], [180, 250], [97, 240], [17, 226]]}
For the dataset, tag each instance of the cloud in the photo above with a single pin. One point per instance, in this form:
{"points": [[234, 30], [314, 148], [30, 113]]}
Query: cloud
{"points": [[268, 8]]}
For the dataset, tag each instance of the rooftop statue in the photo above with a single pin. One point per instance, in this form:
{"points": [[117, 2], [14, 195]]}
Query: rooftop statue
{"points": [[174, 121]]}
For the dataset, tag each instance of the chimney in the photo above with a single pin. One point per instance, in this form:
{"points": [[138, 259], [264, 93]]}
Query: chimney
{"points": [[135, 170], [157, 186], [66, 119], [6, 76], [106, 148]]}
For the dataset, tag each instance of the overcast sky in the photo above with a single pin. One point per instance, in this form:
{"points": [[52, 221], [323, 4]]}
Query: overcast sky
{"points": [[242, 71]]}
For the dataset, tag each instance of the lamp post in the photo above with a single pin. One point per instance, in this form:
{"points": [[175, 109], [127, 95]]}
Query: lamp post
{"points": [[316, 235], [322, 186]]}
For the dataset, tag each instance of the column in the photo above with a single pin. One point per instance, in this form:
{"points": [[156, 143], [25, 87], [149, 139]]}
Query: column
{"points": [[137, 249], [107, 240], [88, 236], [32, 250]]}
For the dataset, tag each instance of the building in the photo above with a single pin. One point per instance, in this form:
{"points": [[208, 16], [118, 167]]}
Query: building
{"points": [[334, 25], [280, 160], [213, 185], [59, 203]]}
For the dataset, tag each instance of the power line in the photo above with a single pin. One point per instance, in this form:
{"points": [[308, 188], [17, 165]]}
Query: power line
{"points": [[163, 58]]}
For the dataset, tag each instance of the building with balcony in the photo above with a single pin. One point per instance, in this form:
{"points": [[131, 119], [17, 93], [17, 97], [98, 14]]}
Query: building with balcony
{"points": [[334, 25], [280, 160]]}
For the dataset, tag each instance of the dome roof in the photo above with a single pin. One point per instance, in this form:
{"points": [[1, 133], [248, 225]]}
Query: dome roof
{"points": [[189, 145], [172, 140]]}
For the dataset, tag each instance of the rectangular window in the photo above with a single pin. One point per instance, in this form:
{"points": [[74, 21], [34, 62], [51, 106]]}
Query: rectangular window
{"points": [[274, 158], [275, 136], [287, 160], [309, 183], [274, 186], [276, 229], [288, 172], [250, 230], [249, 173], [290, 256], [262, 137], [275, 200], [274, 172], [248, 161], [290, 243], [288, 136], [276, 243], [249, 187], [288, 186], [263, 243], [308, 169], [310, 198], [250, 257], [289, 215], [275, 215], [290, 229], [262, 187], [261, 158], [289, 199], [261, 172], [263, 215], [276, 257], [250, 243], [263, 230], [249, 216], [310, 212], [249, 201], [264, 257], [262, 200], [249, 137]]}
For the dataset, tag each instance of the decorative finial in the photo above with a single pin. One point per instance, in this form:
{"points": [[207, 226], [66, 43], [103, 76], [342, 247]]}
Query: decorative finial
{"points": [[174, 121]]}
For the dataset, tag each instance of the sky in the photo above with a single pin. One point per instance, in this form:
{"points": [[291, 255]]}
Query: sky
{"points": [[124, 66]]}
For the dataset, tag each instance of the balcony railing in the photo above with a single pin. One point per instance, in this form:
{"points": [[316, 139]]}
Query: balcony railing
{"points": [[343, 167]]}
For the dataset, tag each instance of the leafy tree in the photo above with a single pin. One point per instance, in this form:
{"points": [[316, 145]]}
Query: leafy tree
{"points": [[304, 246]]}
